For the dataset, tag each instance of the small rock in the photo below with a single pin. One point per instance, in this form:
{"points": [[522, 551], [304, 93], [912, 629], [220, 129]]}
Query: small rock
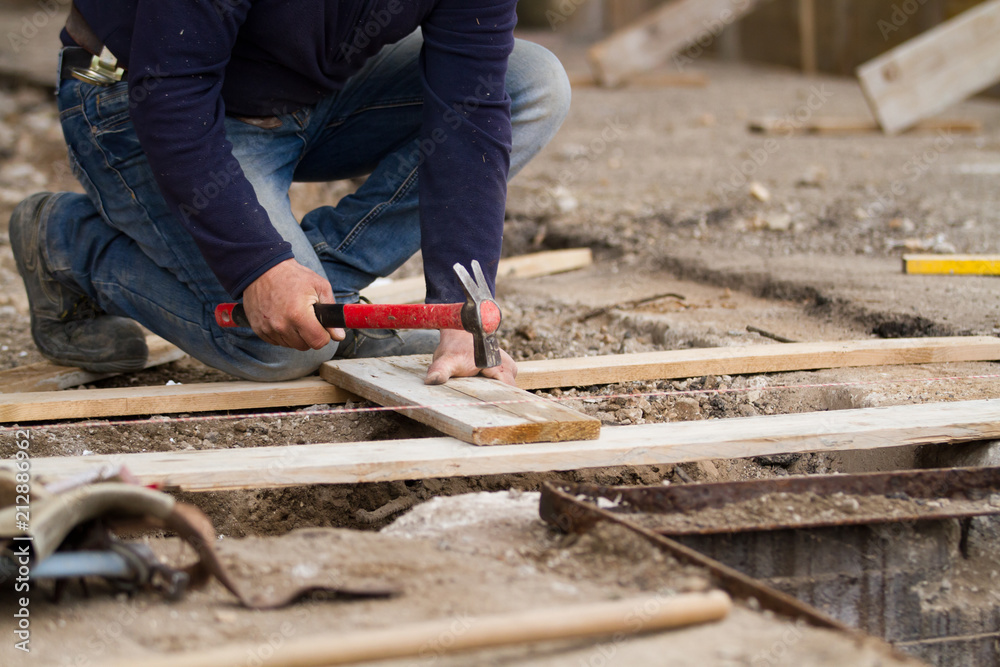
{"points": [[225, 615], [687, 408], [813, 177], [759, 192], [902, 224], [778, 222]]}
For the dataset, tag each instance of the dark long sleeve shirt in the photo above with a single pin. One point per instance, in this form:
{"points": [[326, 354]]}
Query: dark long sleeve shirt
{"points": [[197, 60]]}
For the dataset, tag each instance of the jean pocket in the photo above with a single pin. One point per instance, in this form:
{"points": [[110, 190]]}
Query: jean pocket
{"points": [[111, 107]]}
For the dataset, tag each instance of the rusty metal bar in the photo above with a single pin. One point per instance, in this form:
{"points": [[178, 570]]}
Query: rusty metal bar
{"points": [[911, 495]]}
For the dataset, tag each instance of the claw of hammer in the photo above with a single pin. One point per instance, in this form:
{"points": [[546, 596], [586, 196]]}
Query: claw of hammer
{"points": [[477, 293]]}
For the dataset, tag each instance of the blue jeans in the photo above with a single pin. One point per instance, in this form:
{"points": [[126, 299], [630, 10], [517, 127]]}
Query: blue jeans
{"points": [[121, 246]]}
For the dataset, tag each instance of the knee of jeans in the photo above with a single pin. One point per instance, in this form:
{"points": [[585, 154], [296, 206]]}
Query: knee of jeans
{"points": [[283, 364], [546, 82]]}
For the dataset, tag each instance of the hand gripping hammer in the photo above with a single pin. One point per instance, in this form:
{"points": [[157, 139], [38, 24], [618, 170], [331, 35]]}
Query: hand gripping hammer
{"points": [[479, 315]]}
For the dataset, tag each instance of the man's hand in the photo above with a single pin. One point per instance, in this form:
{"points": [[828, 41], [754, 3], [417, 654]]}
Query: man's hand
{"points": [[279, 305], [455, 357]]}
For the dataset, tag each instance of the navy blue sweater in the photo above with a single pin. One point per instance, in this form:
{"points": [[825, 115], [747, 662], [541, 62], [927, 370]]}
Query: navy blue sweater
{"points": [[262, 57]]}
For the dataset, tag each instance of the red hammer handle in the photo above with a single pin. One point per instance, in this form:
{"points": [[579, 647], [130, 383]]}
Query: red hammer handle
{"points": [[378, 316]]}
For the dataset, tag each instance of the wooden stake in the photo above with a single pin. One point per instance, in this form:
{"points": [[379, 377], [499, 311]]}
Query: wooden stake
{"points": [[453, 635]]}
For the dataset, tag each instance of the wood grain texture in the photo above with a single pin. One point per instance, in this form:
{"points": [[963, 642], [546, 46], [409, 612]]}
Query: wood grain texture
{"points": [[47, 376], [412, 290], [967, 265], [465, 408], [661, 33], [656, 444], [532, 375], [934, 70]]}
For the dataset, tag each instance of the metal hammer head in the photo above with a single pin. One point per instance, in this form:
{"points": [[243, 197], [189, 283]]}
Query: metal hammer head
{"points": [[478, 295]]}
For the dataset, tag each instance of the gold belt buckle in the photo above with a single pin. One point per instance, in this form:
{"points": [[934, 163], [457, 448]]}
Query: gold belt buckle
{"points": [[103, 70]]}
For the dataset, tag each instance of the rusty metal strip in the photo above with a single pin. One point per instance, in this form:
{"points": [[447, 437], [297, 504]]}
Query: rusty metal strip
{"points": [[563, 510], [968, 492]]}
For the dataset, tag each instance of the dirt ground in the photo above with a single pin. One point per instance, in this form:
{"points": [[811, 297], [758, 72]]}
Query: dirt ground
{"points": [[657, 181]]}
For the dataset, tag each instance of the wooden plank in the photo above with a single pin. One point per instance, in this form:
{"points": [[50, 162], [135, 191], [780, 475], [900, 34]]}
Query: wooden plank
{"points": [[745, 359], [934, 70], [661, 33], [47, 376], [648, 80], [968, 265], [531, 375], [166, 399], [411, 290], [847, 125], [465, 408], [650, 444]]}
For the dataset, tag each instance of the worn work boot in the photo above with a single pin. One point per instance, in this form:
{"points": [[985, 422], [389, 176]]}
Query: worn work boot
{"points": [[368, 343], [68, 328]]}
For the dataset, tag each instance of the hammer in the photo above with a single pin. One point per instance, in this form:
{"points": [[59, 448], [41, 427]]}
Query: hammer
{"points": [[479, 315]]}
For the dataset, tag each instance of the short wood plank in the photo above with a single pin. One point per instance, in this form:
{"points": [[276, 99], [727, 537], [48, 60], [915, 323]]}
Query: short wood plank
{"points": [[659, 34], [651, 444], [846, 125], [581, 371], [934, 70], [465, 408], [412, 290], [47, 376], [968, 265]]}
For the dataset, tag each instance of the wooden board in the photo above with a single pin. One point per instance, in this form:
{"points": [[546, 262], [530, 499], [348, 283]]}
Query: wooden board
{"points": [[465, 408], [661, 33], [934, 70], [531, 375], [166, 399], [968, 265], [746, 359], [648, 80], [846, 125], [47, 376], [412, 290], [655, 444]]}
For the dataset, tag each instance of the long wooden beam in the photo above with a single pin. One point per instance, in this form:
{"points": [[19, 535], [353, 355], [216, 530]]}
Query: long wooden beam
{"points": [[574, 372], [656, 444]]}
